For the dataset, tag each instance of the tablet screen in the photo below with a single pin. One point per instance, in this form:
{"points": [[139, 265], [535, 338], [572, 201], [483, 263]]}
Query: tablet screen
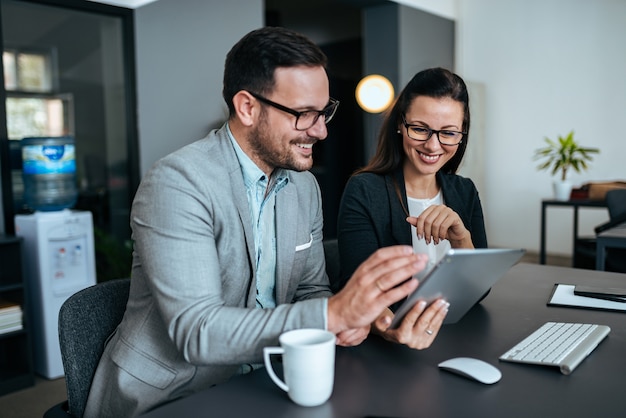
{"points": [[462, 277]]}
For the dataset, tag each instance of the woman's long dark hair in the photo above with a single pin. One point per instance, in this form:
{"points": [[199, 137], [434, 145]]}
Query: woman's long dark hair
{"points": [[433, 82]]}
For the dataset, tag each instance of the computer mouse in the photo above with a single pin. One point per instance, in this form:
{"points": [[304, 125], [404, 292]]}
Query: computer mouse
{"points": [[472, 368]]}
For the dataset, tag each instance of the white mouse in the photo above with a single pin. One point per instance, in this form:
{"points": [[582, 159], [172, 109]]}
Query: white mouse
{"points": [[472, 368]]}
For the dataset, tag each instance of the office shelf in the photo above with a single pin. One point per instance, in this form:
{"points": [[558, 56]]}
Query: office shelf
{"points": [[16, 362]]}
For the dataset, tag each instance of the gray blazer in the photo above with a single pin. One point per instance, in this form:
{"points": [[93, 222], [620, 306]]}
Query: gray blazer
{"points": [[191, 319]]}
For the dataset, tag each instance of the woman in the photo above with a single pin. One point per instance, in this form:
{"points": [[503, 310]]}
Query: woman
{"points": [[409, 193]]}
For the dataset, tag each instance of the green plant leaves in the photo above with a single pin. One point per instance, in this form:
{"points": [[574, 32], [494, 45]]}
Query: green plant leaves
{"points": [[563, 154]]}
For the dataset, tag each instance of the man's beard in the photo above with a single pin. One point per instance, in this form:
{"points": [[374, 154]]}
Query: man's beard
{"points": [[276, 156]]}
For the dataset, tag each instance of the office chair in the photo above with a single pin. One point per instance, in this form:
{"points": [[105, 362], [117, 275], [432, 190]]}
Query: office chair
{"points": [[586, 247], [331, 253], [86, 320], [616, 203]]}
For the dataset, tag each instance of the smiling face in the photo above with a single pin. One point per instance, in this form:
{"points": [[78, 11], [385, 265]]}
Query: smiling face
{"points": [[274, 141], [425, 158]]}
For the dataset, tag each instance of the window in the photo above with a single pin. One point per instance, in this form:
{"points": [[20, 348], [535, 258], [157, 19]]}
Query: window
{"points": [[32, 108], [27, 71], [38, 115]]}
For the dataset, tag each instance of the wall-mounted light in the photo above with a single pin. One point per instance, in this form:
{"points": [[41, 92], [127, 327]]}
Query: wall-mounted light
{"points": [[374, 93]]}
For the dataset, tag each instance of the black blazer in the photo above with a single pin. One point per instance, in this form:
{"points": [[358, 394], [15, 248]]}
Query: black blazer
{"points": [[371, 216]]}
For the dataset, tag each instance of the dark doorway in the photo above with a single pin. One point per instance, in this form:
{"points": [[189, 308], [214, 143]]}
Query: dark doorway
{"points": [[336, 27]]}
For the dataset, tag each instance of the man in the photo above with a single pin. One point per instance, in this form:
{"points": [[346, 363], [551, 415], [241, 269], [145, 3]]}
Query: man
{"points": [[228, 241]]}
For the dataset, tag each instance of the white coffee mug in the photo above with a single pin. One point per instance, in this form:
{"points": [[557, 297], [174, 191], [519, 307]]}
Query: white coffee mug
{"points": [[308, 365]]}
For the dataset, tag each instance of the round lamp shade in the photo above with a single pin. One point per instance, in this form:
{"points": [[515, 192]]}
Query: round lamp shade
{"points": [[374, 93]]}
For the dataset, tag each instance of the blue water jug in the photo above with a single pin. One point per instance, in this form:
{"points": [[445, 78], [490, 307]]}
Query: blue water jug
{"points": [[49, 172]]}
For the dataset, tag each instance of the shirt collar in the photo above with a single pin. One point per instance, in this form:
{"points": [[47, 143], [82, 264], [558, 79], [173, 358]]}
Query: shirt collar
{"points": [[252, 174]]}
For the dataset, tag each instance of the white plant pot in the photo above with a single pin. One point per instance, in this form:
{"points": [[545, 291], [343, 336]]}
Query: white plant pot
{"points": [[562, 189]]}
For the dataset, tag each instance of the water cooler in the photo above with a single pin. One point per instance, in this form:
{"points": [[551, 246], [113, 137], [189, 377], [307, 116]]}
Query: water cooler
{"points": [[60, 261]]}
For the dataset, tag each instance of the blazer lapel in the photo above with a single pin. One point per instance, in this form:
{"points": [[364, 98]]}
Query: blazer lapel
{"points": [[240, 198], [400, 229], [286, 233]]}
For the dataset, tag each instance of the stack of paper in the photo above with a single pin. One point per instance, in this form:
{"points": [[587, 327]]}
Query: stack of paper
{"points": [[563, 295], [10, 316]]}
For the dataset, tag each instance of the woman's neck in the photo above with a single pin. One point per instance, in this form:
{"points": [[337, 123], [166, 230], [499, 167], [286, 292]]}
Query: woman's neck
{"points": [[420, 186]]}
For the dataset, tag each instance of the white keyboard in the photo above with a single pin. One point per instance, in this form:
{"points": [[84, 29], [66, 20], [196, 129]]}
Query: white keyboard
{"points": [[560, 344]]}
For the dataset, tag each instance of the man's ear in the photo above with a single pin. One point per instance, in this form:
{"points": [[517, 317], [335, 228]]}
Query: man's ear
{"points": [[246, 107]]}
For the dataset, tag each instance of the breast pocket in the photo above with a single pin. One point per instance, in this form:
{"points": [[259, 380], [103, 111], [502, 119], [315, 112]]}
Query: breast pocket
{"points": [[306, 245]]}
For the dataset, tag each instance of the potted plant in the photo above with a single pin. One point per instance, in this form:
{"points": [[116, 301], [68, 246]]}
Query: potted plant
{"points": [[559, 156]]}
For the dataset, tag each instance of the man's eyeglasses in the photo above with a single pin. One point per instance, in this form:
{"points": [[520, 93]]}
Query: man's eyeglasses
{"points": [[307, 118], [423, 134]]}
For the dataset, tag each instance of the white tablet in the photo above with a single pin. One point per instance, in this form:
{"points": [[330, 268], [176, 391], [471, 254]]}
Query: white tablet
{"points": [[462, 277]]}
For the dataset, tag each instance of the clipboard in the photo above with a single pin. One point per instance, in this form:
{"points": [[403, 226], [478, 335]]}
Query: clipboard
{"points": [[563, 295]]}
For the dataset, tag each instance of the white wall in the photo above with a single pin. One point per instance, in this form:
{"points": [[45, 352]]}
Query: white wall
{"points": [[181, 47], [443, 8], [548, 67], [424, 41]]}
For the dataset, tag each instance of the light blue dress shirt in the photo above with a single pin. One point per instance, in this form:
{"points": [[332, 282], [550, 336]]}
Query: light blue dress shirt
{"points": [[261, 192]]}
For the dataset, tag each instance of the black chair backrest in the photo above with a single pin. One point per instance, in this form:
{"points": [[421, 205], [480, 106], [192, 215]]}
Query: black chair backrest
{"points": [[616, 203], [86, 320], [331, 253]]}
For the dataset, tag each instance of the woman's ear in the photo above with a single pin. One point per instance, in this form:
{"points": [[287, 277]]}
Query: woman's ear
{"points": [[246, 108]]}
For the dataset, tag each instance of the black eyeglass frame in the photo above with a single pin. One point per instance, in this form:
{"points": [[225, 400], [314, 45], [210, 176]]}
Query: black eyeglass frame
{"points": [[328, 112], [431, 132]]}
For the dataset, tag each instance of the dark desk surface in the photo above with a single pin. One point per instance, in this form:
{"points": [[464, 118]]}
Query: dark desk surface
{"points": [[382, 379], [575, 203]]}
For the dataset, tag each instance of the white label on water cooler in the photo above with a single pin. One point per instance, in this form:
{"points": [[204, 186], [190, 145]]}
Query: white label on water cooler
{"points": [[68, 265]]}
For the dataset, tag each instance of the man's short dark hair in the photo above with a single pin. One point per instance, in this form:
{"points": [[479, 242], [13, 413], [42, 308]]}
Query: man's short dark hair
{"points": [[251, 63]]}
